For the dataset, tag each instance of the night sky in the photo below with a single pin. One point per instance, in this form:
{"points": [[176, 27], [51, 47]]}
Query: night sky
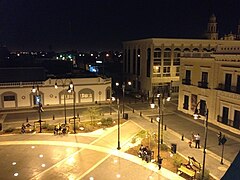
{"points": [[104, 24]]}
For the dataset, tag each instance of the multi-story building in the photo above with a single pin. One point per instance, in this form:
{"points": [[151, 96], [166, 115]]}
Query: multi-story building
{"points": [[152, 64], [212, 79]]}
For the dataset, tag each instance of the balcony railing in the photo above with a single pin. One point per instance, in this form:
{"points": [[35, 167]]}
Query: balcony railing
{"points": [[228, 122], [233, 89], [202, 84], [186, 81]]}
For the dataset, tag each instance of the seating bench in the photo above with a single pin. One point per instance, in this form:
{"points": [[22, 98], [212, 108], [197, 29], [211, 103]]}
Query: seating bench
{"points": [[194, 164], [186, 170]]}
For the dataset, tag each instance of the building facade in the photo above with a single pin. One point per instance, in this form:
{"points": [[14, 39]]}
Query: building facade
{"points": [[87, 90], [153, 64], [212, 80]]}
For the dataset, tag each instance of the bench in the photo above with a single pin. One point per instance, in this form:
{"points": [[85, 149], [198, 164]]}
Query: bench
{"points": [[194, 164], [186, 169], [191, 168]]}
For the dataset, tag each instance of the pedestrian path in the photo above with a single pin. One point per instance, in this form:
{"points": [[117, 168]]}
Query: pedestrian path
{"points": [[104, 147]]}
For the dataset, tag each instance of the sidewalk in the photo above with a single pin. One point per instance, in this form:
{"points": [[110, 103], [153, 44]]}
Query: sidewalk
{"points": [[212, 162]]}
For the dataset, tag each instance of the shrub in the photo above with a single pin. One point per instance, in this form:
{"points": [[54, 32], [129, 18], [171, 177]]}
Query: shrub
{"points": [[9, 130], [106, 122]]}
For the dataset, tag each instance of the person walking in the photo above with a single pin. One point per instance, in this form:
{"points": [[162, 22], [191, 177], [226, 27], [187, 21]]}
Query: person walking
{"points": [[191, 140], [197, 139]]}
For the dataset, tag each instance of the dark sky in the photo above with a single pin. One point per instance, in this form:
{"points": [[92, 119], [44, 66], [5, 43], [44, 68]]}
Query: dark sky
{"points": [[104, 24]]}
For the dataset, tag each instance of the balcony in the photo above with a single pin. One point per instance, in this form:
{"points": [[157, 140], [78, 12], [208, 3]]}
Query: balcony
{"points": [[203, 84], [186, 81], [232, 89], [228, 122]]}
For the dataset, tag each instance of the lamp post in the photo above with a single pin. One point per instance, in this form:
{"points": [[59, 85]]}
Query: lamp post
{"points": [[38, 101], [161, 97], [63, 84], [123, 93], [196, 116], [118, 147], [71, 90], [159, 159]]}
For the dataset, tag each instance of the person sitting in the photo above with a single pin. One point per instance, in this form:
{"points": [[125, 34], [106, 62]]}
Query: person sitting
{"points": [[55, 130], [144, 153], [140, 152], [23, 128], [64, 130], [148, 154]]}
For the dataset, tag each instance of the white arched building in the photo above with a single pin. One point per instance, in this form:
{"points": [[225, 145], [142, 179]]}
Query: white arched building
{"points": [[14, 95]]}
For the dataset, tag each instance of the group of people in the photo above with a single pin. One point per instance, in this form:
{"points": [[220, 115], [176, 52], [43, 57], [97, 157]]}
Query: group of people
{"points": [[60, 129], [145, 153], [196, 139], [23, 129]]}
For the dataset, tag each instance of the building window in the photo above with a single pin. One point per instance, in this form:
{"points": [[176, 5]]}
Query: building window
{"points": [[187, 79], [186, 102], [148, 61], [125, 61], [85, 96], [177, 71], [9, 98], [167, 57], [203, 107], [166, 71], [108, 93], [176, 58], [129, 60], [236, 121], [156, 71], [157, 53], [157, 57], [37, 99], [238, 84], [225, 115], [228, 82], [134, 61], [204, 82]]}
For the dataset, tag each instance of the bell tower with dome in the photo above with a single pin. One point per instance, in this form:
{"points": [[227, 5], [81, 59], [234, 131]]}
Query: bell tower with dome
{"points": [[212, 28]]}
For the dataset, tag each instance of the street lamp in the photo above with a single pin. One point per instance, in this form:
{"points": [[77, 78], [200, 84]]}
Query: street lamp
{"points": [[159, 159], [63, 84], [71, 90], [37, 99], [118, 147], [196, 116], [160, 97], [123, 92]]}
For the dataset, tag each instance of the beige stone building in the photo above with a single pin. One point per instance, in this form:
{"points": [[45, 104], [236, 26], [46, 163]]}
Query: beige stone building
{"points": [[212, 79], [151, 64]]}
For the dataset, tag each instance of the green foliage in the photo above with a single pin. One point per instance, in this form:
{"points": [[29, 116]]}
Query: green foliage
{"points": [[92, 112], [50, 127], [177, 160], [134, 140], [164, 147], [106, 122], [9, 130], [87, 126]]}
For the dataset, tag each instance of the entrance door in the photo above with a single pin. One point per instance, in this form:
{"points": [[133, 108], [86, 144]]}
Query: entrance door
{"points": [[236, 122], [225, 115]]}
